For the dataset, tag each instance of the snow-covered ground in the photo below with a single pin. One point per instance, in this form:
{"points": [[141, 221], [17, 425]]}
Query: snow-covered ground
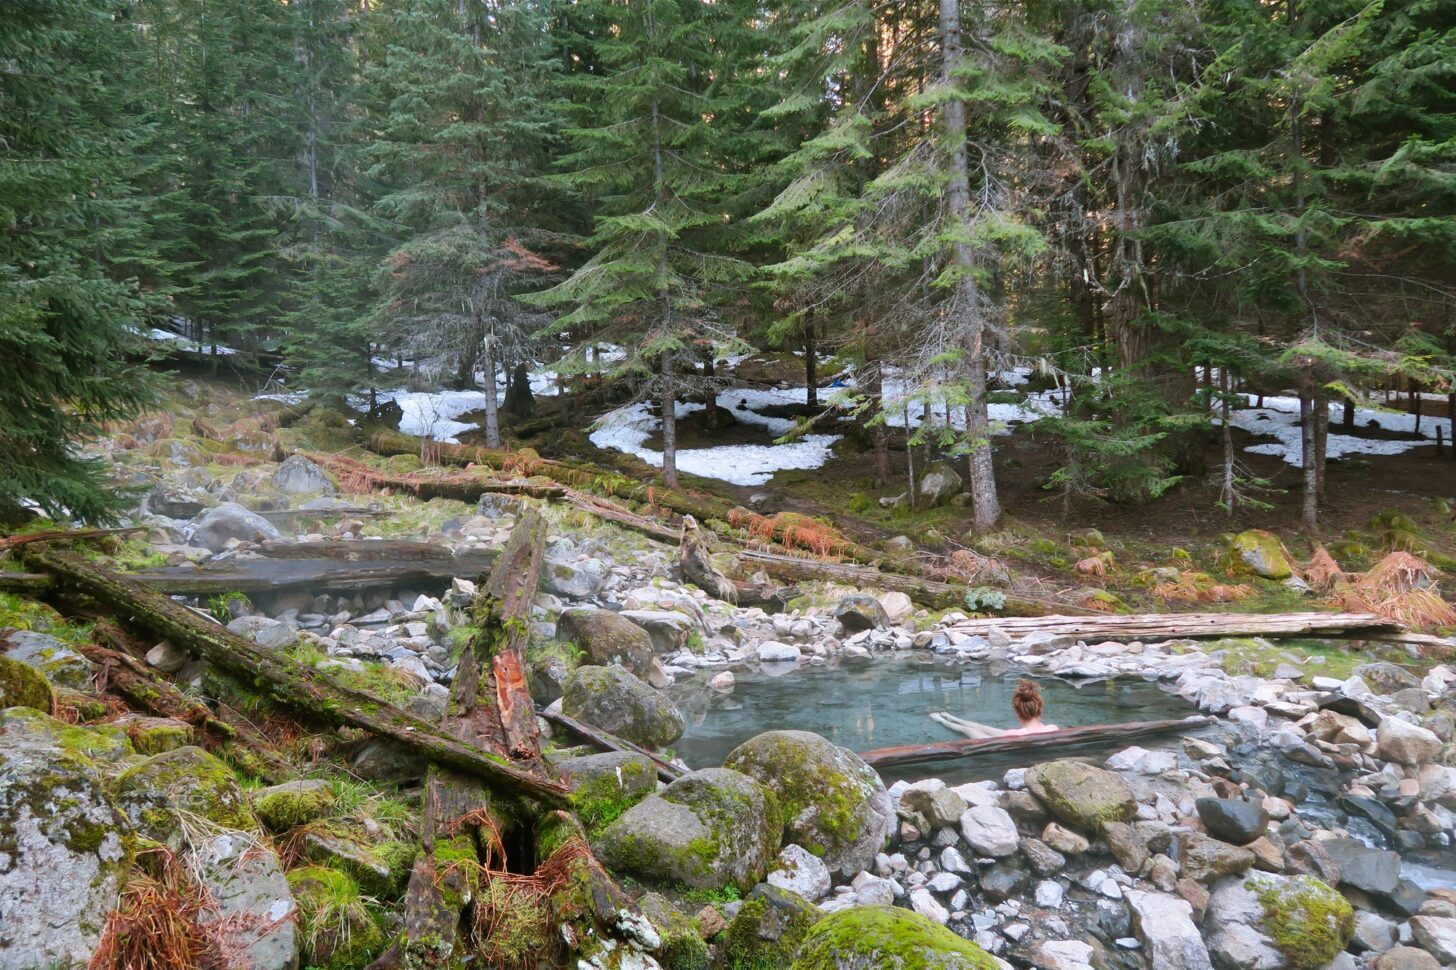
{"points": [[1279, 418], [179, 342], [627, 430]]}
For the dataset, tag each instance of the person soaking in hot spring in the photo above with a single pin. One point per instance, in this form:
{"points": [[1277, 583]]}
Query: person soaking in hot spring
{"points": [[1026, 702]]}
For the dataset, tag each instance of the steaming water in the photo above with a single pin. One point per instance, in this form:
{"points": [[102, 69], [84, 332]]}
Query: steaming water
{"points": [[886, 702]]}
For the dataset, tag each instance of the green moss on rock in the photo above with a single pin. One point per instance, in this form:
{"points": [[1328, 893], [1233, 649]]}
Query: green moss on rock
{"points": [[1080, 795], [1307, 921], [21, 685], [158, 794], [293, 803], [1258, 552], [833, 803], [885, 938], [768, 930], [338, 925]]}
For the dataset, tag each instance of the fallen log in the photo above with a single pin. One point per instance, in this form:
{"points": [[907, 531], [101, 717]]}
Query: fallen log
{"points": [[696, 564], [1167, 626], [910, 754], [359, 550], [304, 689], [355, 476], [254, 576], [605, 741], [24, 582], [120, 672], [59, 535]]}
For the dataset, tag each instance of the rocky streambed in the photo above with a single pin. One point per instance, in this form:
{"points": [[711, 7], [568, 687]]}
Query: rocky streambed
{"points": [[1312, 827]]}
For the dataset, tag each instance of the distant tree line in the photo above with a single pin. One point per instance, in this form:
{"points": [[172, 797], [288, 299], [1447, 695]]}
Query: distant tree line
{"points": [[1154, 203]]}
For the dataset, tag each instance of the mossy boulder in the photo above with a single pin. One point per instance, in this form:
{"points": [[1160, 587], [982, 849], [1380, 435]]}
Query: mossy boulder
{"points": [[708, 830], [21, 685], [293, 803], [61, 665], [105, 745], [155, 735], [159, 795], [614, 700], [382, 867], [338, 928], [61, 849], [550, 663], [607, 638], [683, 947], [603, 786], [1263, 919], [1260, 553], [1080, 795], [886, 938], [833, 803], [769, 929]]}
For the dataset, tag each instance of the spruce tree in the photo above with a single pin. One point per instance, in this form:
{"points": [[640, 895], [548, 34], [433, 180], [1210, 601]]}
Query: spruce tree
{"points": [[67, 328]]}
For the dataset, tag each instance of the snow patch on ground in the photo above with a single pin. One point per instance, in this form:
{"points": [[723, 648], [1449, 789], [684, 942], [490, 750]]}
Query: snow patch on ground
{"points": [[627, 430], [1279, 419], [187, 344]]}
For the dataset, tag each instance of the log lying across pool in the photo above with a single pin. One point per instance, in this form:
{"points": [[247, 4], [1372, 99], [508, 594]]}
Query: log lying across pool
{"points": [[909, 754], [1167, 626]]}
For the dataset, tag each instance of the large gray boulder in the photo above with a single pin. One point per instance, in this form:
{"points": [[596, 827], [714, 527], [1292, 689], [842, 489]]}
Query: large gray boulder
{"points": [[1406, 743], [1164, 923], [617, 702], [299, 476], [606, 638], [861, 611], [213, 528], [255, 912], [710, 829], [833, 803], [266, 632], [61, 848], [60, 664], [939, 483], [1080, 795]]}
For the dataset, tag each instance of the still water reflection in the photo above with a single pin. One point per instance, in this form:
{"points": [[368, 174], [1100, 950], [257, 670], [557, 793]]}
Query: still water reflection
{"points": [[886, 702]]}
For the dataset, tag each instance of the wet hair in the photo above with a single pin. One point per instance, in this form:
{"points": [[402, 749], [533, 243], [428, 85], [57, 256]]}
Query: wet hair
{"points": [[1027, 700]]}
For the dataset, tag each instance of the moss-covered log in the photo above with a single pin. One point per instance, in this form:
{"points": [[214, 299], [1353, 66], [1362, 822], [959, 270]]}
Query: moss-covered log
{"points": [[122, 674], [304, 689], [606, 741]]}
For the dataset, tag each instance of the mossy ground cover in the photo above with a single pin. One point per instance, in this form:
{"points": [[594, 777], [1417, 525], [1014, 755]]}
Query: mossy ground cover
{"points": [[1308, 922]]}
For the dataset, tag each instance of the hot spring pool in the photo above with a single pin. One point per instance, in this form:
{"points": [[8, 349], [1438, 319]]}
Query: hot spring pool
{"points": [[886, 702]]}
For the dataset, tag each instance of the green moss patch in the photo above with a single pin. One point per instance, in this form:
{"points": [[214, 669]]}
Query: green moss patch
{"points": [[875, 937], [1308, 922]]}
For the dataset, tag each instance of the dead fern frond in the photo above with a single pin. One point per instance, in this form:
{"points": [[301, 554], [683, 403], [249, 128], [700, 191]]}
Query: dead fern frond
{"points": [[1398, 572], [1322, 571], [158, 924]]}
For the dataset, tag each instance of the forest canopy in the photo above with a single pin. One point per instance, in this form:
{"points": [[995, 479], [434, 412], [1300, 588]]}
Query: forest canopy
{"points": [[1152, 202]]}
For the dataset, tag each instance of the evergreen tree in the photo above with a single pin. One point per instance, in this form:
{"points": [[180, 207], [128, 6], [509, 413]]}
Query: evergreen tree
{"points": [[66, 326], [646, 153], [464, 125]]}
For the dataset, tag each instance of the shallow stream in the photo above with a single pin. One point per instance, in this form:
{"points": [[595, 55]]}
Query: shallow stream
{"points": [[887, 702]]}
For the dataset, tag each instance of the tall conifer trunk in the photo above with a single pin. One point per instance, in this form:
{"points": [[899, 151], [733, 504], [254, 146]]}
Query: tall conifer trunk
{"points": [[987, 506]]}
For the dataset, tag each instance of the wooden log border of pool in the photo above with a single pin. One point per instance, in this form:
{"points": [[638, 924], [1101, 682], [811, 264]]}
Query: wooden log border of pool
{"points": [[909, 754], [1167, 626]]}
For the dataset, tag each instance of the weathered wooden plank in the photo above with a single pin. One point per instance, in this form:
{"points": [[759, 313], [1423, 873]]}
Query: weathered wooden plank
{"points": [[907, 754], [1164, 626], [606, 741]]}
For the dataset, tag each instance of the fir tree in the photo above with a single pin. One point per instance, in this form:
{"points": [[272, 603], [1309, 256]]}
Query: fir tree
{"points": [[66, 327]]}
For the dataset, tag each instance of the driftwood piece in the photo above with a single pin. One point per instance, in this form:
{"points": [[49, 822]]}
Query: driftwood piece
{"points": [[696, 564], [1166, 626], [276, 575], [307, 690], [359, 550], [909, 754], [606, 741]]}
